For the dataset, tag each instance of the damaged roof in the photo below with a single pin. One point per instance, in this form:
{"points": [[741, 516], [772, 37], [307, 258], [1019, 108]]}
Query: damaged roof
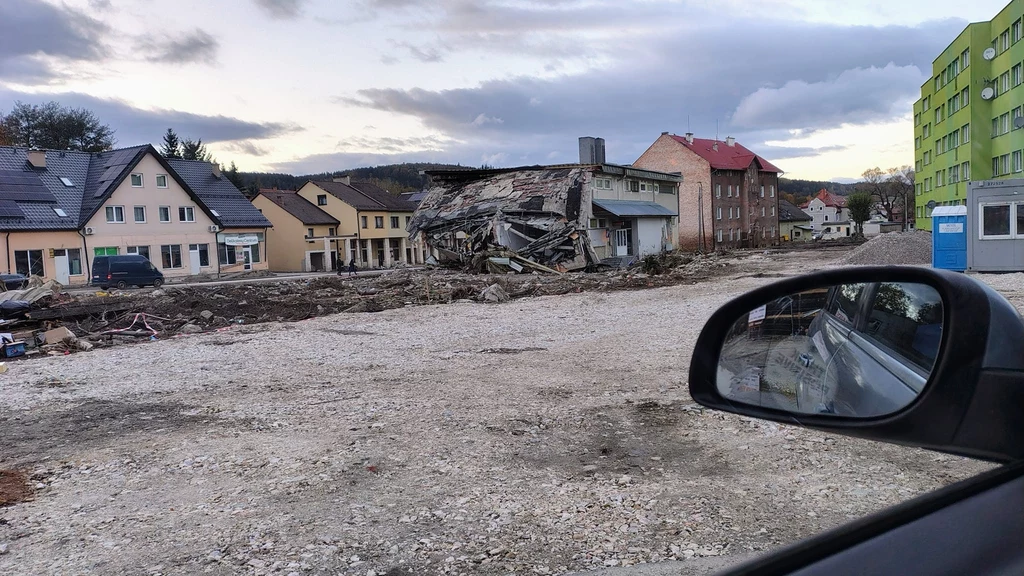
{"points": [[788, 212]]}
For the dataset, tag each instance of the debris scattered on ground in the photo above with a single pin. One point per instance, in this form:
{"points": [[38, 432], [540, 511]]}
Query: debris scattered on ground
{"points": [[893, 249], [14, 487]]}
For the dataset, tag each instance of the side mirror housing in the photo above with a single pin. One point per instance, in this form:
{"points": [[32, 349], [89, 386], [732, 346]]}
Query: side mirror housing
{"points": [[907, 355]]}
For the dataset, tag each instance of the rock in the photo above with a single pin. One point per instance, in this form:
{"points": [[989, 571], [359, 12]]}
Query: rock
{"points": [[3, 548], [191, 329], [84, 345], [494, 293], [158, 293], [589, 469], [206, 314]]}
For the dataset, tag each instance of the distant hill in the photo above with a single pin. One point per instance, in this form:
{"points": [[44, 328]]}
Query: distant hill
{"points": [[803, 190], [395, 178]]}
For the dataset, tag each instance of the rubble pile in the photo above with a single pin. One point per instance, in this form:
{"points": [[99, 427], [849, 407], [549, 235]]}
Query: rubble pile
{"points": [[62, 324], [893, 249]]}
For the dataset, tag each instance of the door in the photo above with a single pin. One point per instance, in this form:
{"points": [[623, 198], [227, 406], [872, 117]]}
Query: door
{"points": [[247, 258], [622, 242], [63, 269], [193, 261]]}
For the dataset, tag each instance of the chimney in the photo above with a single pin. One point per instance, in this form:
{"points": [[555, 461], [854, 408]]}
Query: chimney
{"points": [[347, 180], [599, 150], [591, 150], [689, 137], [665, 133], [37, 158], [730, 141], [715, 146], [216, 170]]}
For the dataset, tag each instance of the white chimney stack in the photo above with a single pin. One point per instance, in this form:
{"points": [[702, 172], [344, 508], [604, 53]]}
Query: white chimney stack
{"points": [[216, 170], [689, 137], [730, 141], [344, 180], [37, 158]]}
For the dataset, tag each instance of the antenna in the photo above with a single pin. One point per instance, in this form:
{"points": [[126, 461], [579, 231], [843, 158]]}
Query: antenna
{"points": [[716, 130]]}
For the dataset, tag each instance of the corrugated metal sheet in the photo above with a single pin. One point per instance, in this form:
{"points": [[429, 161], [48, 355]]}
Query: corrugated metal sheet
{"points": [[638, 208]]}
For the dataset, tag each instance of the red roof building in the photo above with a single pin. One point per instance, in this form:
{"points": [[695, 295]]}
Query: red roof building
{"points": [[729, 194], [831, 200]]}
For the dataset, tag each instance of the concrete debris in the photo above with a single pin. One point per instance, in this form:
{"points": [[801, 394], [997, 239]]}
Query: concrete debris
{"points": [[893, 249], [539, 215], [494, 293], [33, 294]]}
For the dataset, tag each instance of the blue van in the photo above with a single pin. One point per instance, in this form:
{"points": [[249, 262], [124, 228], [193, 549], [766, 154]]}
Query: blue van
{"points": [[125, 270]]}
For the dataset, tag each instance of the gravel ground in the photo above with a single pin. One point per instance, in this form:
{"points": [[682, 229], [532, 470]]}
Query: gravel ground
{"points": [[893, 249], [539, 436]]}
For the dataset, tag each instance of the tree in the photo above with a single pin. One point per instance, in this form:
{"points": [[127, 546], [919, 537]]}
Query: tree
{"points": [[195, 150], [893, 190], [56, 127], [232, 174], [172, 145], [860, 204], [902, 180], [6, 132]]}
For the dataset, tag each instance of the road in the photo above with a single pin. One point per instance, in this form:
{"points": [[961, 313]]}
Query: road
{"points": [[279, 277]]}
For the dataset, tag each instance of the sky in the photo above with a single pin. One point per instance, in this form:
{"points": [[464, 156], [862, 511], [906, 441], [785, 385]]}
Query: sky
{"points": [[822, 88]]}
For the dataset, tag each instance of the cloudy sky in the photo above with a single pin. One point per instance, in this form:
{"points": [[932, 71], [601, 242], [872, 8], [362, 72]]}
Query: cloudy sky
{"points": [[822, 87]]}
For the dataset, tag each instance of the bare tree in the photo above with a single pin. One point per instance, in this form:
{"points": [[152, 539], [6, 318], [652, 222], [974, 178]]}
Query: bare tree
{"points": [[902, 180], [892, 190]]}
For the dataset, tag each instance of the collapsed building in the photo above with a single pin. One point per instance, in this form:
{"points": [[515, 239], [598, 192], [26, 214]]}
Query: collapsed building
{"points": [[556, 218]]}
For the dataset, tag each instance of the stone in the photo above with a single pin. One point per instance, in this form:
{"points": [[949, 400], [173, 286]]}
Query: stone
{"points": [[191, 329], [494, 293], [206, 314]]}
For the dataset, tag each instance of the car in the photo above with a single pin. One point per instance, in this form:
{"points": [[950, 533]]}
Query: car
{"points": [[969, 402], [13, 281], [123, 270]]}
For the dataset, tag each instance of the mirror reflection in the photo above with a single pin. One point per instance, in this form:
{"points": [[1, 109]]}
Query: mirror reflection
{"points": [[854, 350]]}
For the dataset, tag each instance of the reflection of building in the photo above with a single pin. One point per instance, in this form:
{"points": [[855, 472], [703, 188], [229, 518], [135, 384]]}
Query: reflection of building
{"points": [[58, 209], [969, 121]]}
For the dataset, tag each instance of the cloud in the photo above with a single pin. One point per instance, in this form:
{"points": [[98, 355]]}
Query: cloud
{"points": [[282, 9], [857, 96], [196, 47], [137, 125], [35, 34], [99, 4], [425, 53], [757, 87], [246, 147], [393, 145]]}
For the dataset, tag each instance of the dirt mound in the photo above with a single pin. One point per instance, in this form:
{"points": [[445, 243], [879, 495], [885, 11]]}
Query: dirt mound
{"points": [[893, 249]]}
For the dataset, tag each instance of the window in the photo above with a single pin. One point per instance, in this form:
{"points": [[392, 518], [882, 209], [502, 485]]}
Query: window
{"points": [[226, 254], [763, 211], [924, 104], [719, 215], [938, 147], [954, 139], [204, 253], [643, 187], [60, 212], [938, 115], [1004, 164], [730, 190], [965, 133], [927, 184], [917, 119], [718, 236], [136, 180], [309, 233], [918, 188], [730, 234], [955, 100], [917, 166], [321, 199], [1016, 31], [170, 255], [165, 213], [965, 171], [907, 319], [917, 143], [938, 83], [771, 191], [1017, 167], [161, 180], [74, 259], [140, 214], [634, 186], [254, 251], [395, 222], [603, 183], [330, 231], [656, 188], [773, 209], [1004, 123], [965, 97], [954, 174], [1005, 38], [965, 58], [362, 221], [1016, 75], [927, 158], [939, 179], [105, 251], [1017, 113], [140, 250], [28, 262], [826, 217], [762, 191], [115, 214], [378, 221], [186, 214], [844, 303], [995, 221], [1004, 81], [718, 190]]}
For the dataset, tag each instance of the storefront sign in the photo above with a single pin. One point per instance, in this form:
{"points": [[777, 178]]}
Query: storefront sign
{"points": [[241, 239]]}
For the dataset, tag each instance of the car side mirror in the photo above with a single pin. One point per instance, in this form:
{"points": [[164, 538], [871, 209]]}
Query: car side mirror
{"points": [[912, 356]]}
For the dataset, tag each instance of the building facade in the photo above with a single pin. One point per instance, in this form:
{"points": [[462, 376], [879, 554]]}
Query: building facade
{"points": [[303, 238], [728, 197], [58, 209], [969, 121]]}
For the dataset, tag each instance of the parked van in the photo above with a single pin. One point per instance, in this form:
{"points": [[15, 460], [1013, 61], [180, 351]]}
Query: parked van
{"points": [[125, 270]]}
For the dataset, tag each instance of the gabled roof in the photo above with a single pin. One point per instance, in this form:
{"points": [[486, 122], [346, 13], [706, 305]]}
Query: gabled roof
{"points": [[735, 157], [225, 203], [91, 178], [831, 200], [365, 196], [788, 212], [302, 209]]}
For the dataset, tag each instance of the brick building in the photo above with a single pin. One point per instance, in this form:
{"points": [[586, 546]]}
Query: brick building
{"points": [[729, 195]]}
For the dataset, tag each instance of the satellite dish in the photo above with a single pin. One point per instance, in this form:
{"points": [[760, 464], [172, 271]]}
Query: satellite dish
{"points": [[988, 93], [931, 204], [989, 53], [1018, 122]]}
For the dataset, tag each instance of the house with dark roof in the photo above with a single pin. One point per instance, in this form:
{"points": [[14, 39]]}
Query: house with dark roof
{"points": [[303, 237], [729, 194], [794, 223], [372, 229], [59, 209]]}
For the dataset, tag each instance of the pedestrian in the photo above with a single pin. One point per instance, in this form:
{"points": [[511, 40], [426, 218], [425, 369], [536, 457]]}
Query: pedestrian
{"points": [[352, 267]]}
